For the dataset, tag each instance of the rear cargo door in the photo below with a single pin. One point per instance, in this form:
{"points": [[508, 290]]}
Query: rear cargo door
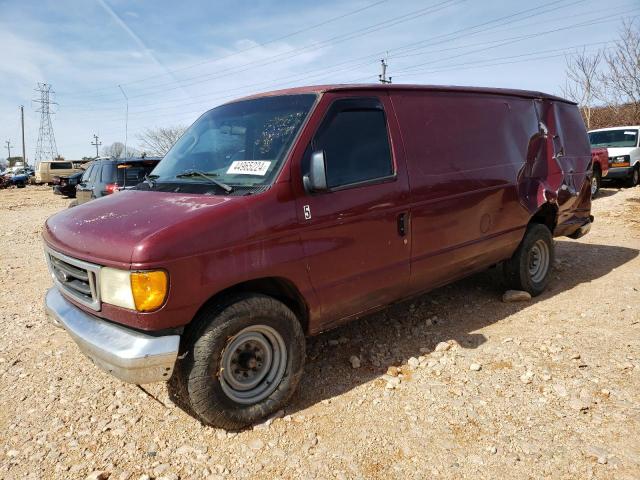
{"points": [[569, 161]]}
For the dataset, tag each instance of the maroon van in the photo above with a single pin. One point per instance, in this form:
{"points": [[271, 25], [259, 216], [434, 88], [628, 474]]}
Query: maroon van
{"points": [[288, 213]]}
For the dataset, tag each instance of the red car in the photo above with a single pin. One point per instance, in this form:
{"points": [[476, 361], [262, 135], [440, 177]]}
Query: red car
{"points": [[600, 161], [288, 213]]}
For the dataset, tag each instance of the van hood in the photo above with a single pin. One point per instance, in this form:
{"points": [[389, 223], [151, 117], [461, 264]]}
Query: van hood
{"points": [[618, 151], [137, 226]]}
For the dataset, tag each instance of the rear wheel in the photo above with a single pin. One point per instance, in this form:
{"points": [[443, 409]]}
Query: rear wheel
{"points": [[529, 268], [596, 181], [241, 361], [634, 178]]}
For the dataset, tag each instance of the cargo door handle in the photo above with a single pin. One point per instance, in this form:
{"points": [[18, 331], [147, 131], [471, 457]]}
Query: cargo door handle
{"points": [[402, 224]]}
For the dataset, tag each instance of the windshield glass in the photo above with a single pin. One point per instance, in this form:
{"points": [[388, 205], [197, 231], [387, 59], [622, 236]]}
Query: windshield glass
{"points": [[241, 144], [614, 138]]}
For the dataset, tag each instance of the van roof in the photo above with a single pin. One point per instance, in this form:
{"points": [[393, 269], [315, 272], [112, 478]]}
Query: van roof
{"points": [[400, 87], [624, 127]]}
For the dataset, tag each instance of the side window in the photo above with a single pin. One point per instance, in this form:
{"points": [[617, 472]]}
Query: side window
{"points": [[108, 174], [356, 147], [95, 172], [86, 174]]}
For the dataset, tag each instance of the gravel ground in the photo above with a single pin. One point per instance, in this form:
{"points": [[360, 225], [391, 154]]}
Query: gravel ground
{"points": [[454, 384]]}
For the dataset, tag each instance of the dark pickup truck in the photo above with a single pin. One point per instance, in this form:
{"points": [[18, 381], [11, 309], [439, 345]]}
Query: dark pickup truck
{"points": [[288, 213]]}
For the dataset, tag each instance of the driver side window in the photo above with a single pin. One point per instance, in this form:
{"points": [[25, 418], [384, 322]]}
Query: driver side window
{"points": [[356, 147]]}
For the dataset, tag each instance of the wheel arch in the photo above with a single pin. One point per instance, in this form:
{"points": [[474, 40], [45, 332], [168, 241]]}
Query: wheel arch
{"points": [[546, 215], [279, 288]]}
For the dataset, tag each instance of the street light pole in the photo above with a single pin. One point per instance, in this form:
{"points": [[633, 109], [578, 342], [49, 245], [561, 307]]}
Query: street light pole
{"points": [[126, 121], [24, 151]]}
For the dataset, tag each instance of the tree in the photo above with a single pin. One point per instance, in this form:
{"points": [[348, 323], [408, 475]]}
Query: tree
{"points": [[606, 85], [158, 141], [583, 84], [115, 150], [622, 78]]}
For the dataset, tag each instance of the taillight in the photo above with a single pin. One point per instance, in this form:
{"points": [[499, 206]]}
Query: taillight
{"points": [[111, 187]]}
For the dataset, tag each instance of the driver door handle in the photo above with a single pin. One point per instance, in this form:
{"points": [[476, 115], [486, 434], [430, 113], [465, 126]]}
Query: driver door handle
{"points": [[402, 224]]}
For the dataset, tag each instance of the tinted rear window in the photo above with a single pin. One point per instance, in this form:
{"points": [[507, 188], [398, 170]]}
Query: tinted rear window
{"points": [[60, 165], [133, 173]]}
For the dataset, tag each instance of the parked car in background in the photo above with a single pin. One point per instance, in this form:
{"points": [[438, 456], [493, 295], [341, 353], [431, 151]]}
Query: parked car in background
{"points": [[106, 176], [47, 170], [15, 176], [600, 160], [67, 185], [288, 213], [623, 151]]}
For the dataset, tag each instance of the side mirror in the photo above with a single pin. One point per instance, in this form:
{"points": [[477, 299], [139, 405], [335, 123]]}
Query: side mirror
{"points": [[316, 179]]}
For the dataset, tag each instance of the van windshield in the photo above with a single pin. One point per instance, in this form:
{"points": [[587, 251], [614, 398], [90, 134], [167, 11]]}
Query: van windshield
{"points": [[623, 138], [240, 144]]}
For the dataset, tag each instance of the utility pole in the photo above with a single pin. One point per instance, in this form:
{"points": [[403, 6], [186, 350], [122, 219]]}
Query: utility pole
{"points": [[126, 121], [24, 150], [96, 143], [383, 76], [8, 142]]}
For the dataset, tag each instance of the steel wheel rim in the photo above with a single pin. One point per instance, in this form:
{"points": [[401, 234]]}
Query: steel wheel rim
{"points": [[594, 185], [252, 364], [539, 261]]}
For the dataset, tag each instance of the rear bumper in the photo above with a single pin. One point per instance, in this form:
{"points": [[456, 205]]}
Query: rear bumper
{"points": [[127, 354], [582, 230]]}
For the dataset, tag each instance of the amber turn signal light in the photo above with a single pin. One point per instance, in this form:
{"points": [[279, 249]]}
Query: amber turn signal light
{"points": [[149, 289]]}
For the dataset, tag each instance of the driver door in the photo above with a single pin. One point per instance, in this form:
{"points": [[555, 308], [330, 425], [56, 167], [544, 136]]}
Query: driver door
{"points": [[355, 234]]}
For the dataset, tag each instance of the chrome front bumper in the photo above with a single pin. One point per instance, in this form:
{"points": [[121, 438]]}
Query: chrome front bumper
{"points": [[127, 354]]}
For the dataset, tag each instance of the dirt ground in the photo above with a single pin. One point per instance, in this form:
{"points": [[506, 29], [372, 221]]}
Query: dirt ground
{"points": [[553, 392]]}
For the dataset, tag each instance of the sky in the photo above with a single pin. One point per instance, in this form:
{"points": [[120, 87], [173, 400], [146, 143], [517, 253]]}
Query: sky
{"points": [[176, 60]]}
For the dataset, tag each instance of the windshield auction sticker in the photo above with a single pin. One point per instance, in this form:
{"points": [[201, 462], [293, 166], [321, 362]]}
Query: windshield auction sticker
{"points": [[249, 167]]}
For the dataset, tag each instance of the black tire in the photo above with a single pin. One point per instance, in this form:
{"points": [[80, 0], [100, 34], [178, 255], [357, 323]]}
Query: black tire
{"points": [[518, 269], [633, 179], [596, 182], [20, 185], [198, 383], [73, 203]]}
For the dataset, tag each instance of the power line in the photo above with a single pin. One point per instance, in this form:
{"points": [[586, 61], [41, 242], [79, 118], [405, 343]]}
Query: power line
{"points": [[323, 72], [46, 148], [410, 16], [447, 37], [244, 50]]}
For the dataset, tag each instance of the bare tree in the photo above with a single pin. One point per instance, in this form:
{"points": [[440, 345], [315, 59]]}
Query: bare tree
{"points": [[622, 77], [115, 150], [158, 141], [583, 84]]}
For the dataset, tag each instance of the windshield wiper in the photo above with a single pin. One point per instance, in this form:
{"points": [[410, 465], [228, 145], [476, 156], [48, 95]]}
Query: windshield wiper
{"points": [[198, 173]]}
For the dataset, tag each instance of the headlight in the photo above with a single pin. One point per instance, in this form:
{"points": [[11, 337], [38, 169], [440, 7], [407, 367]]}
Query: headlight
{"points": [[141, 291]]}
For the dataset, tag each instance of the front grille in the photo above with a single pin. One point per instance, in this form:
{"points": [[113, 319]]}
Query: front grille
{"points": [[76, 278]]}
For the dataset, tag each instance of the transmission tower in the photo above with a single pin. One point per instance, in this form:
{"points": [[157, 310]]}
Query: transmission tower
{"points": [[46, 149]]}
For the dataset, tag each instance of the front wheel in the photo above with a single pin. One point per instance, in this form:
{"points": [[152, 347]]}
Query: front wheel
{"points": [[634, 177], [529, 268], [240, 361]]}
